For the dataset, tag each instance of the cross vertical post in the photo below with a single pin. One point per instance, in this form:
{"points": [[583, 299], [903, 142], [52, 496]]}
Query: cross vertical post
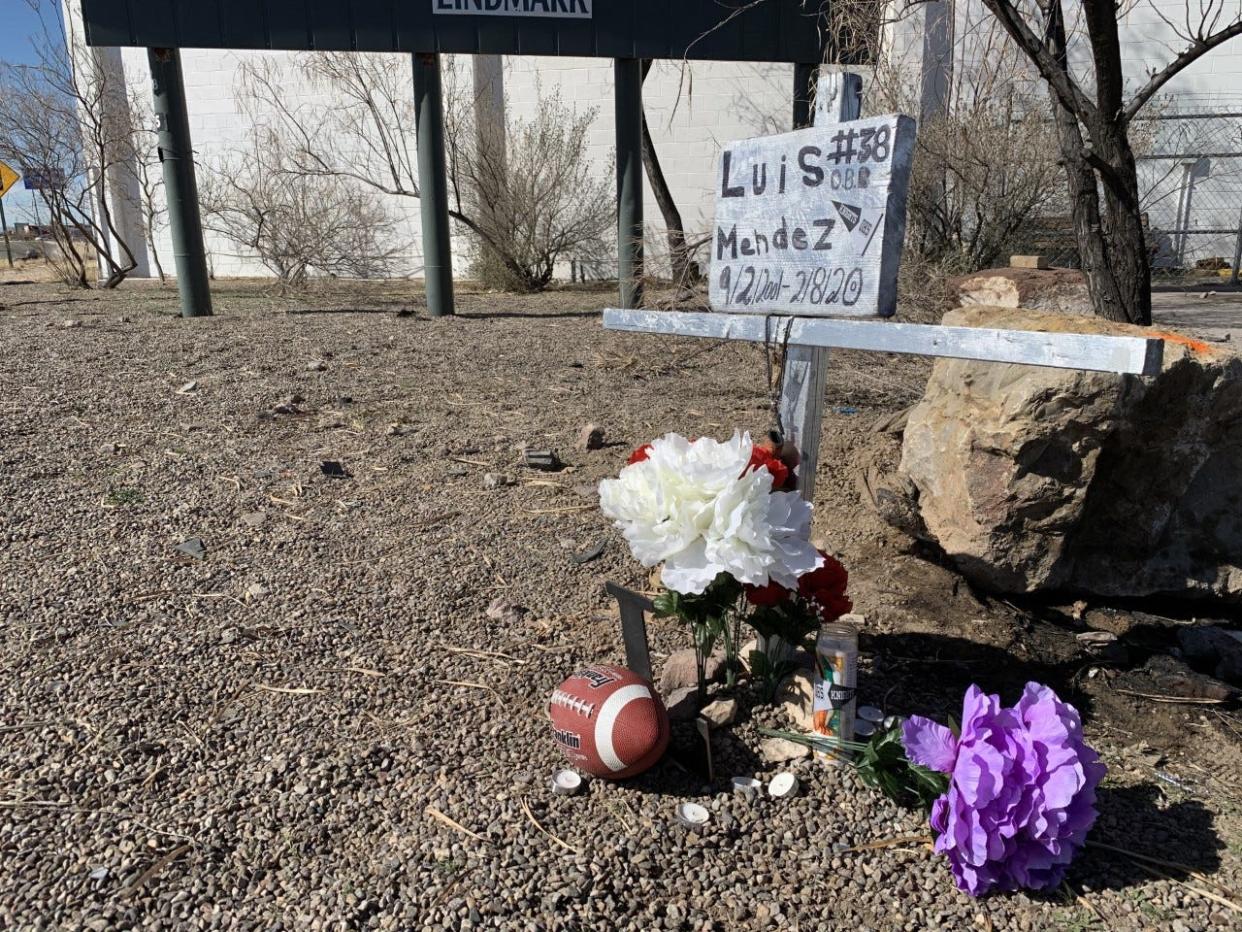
{"points": [[838, 100]]}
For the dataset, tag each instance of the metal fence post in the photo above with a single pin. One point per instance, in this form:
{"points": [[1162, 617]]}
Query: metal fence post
{"points": [[177, 158], [629, 113], [433, 185]]}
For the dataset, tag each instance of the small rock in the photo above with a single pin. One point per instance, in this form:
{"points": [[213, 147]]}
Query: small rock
{"points": [[679, 670], [506, 612], [71, 324], [316, 365], [1213, 650], [780, 751], [545, 460], [187, 388], [1110, 620], [496, 480], [720, 713], [288, 405], [253, 518], [568, 543], [682, 704], [255, 591], [1171, 679], [194, 547], [334, 470], [795, 696], [591, 437], [99, 873], [229, 636], [110, 447], [1096, 638], [591, 553]]}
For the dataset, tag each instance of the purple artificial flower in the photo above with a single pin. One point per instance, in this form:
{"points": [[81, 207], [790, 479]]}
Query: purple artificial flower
{"points": [[1021, 797]]}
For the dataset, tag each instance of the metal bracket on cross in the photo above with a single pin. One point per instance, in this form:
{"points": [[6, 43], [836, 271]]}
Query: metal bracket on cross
{"points": [[808, 230], [634, 608]]}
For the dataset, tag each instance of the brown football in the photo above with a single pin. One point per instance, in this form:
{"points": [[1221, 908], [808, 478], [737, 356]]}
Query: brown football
{"points": [[609, 722]]}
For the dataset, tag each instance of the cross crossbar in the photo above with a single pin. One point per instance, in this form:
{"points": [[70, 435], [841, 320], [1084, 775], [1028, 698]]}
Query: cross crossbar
{"points": [[1088, 351]]}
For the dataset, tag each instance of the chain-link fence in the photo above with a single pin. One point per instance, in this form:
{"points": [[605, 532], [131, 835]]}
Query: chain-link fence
{"points": [[1190, 177], [1190, 173]]}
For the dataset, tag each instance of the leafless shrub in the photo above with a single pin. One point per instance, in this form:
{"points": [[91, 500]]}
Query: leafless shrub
{"points": [[535, 201], [297, 225], [527, 204]]}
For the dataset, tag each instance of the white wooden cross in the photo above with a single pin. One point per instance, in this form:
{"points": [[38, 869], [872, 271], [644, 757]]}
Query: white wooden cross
{"points": [[861, 279]]}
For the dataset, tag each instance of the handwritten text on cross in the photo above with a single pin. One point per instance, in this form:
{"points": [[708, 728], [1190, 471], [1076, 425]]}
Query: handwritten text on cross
{"points": [[810, 223]]}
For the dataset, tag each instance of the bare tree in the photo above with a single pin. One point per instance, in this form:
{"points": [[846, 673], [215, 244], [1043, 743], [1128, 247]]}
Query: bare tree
{"points": [[1094, 113], [985, 155], [296, 225], [537, 202], [529, 207], [675, 228], [65, 118]]}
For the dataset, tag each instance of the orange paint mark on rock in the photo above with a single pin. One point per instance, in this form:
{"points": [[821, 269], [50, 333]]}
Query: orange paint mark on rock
{"points": [[1196, 346]]}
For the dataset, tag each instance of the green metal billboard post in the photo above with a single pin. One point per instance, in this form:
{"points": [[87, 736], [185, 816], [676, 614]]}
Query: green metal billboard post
{"points": [[433, 184], [629, 108], [177, 158]]}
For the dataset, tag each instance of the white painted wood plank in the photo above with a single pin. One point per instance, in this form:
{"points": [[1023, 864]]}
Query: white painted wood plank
{"points": [[1093, 352], [811, 222]]}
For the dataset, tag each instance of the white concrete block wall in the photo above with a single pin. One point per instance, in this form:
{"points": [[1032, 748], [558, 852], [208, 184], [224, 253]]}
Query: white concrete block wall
{"points": [[690, 115]]}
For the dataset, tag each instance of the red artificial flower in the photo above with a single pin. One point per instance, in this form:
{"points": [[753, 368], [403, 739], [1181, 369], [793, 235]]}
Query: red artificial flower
{"points": [[771, 594], [826, 588], [763, 458], [640, 454]]}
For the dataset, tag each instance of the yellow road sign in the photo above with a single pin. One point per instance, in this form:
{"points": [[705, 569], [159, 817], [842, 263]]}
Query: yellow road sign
{"points": [[8, 178]]}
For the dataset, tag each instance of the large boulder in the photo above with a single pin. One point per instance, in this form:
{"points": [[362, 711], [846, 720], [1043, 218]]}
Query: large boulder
{"points": [[1033, 478]]}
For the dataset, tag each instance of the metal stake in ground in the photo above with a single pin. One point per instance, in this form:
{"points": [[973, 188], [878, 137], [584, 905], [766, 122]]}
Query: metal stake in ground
{"points": [[433, 185], [177, 158]]}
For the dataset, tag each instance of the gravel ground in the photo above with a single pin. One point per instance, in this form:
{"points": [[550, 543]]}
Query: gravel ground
{"points": [[253, 739]]}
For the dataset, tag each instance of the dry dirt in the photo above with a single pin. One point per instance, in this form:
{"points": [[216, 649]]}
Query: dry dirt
{"points": [[253, 739]]}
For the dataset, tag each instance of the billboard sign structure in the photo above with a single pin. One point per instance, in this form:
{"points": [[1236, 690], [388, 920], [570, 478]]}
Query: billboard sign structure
{"points": [[715, 30], [627, 31]]}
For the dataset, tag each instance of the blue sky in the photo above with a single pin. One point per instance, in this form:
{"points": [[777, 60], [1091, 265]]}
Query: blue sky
{"points": [[18, 24]]}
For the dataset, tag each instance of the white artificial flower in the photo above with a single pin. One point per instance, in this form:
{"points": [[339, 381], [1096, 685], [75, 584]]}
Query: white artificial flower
{"points": [[689, 506]]}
